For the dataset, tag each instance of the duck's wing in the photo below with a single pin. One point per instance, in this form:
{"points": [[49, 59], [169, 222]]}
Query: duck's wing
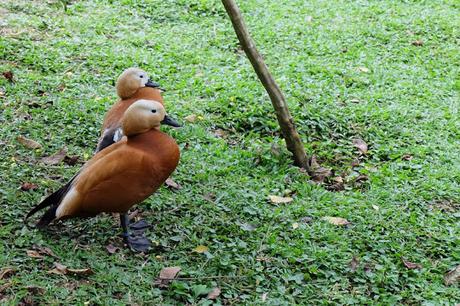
{"points": [[56, 198], [113, 183], [109, 137], [52, 200]]}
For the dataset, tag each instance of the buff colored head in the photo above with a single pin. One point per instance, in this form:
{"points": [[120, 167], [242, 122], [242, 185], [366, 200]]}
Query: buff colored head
{"points": [[144, 115], [131, 80]]}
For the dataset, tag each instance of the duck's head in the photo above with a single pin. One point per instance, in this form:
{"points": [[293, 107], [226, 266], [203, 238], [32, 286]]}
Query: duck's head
{"points": [[144, 115], [131, 80]]}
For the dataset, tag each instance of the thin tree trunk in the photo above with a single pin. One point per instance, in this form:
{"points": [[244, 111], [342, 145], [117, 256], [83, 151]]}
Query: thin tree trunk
{"points": [[293, 142]]}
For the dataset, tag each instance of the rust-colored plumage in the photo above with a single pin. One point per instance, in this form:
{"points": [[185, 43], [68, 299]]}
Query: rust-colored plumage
{"points": [[132, 85], [121, 175], [113, 117]]}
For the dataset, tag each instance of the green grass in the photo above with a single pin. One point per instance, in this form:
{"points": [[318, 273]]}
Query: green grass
{"points": [[65, 63]]}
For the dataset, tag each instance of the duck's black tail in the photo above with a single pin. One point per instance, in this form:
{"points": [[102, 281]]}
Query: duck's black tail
{"points": [[52, 200]]}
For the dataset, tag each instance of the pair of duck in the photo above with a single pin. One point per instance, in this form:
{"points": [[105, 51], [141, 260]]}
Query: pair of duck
{"points": [[133, 159]]}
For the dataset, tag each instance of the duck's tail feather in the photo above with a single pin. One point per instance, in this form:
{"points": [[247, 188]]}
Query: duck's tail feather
{"points": [[52, 200]]}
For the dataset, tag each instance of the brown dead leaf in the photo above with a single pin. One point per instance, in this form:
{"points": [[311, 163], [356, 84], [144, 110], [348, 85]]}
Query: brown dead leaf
{"points": [[56, 158], [220, 133], [28, 186], [28, 143], [336, 220], [71, 160], [172, 184], [279, 200], [166, 276], [417, 43], [453, 276], [337, 184], [191, 118], [407, 157], [43, 250], [6, 273], [361, 145], [410, 265], [34, 254], [63, 270], [112, 249], [58, 269], [8, 75], [318, 173], [214, 293], [354, 263], [361, 178], [82, 272]]}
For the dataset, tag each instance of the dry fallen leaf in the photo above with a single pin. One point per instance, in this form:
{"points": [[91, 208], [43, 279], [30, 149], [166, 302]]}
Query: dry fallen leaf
{"points": [[214, 293], [201, 249], [220, 133], [8, 75], [410, 265], [71, 160], [407, 157], [308, 19], [166, 276], [63, 270], [279, 200], [28, 143], [34, 254], [84, 272], [337, 184], [453, 276], [44, 250], [318, 173], [56, 158], [6, 273], [363, 69], [191, 118], [28, 186], [417, 43], [173, 185], [361, 145], [353, 263], [112, 249], [376, 207], [336, 220], [295, 225]]}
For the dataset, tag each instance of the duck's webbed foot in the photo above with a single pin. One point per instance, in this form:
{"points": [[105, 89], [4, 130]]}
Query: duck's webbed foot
{"points": [[135, 239], [140, 225]]}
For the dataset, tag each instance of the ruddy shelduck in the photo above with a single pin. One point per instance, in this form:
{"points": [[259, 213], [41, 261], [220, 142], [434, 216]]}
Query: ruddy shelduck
{"points": [[132, 85], [120, 176]]}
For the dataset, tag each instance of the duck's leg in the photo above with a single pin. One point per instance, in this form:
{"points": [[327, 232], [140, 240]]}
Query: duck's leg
{"points": [[136, 241]]}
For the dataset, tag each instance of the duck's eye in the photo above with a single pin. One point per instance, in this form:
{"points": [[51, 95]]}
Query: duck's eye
{"points": [[141, 76], [154, 111]]}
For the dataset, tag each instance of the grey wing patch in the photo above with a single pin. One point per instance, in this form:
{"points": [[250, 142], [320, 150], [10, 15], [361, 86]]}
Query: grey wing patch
{"points": [[109, 137]]}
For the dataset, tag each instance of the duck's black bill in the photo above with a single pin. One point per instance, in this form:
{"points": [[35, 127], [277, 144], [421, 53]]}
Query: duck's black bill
{"points": [[169, 121], [152, 84]]}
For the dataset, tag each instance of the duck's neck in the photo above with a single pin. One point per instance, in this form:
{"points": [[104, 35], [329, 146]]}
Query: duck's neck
{"points": [[148, 93]]}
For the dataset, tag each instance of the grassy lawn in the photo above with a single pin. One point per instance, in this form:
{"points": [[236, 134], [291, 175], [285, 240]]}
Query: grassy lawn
{"points": [[386, 72]]}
